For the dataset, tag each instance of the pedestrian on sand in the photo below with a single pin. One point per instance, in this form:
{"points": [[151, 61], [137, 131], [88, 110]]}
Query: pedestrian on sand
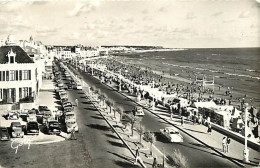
{"points": [[228, 143], [224, 144], [77, 102], [209, 129], [137, 155], [154, 163]]}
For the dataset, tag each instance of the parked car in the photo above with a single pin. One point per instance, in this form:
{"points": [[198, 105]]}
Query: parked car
{"points": [[63, 100], [138, 111], [63, 95], [31, 115], [42, 109], [47, 116], [69, 116], [67, 104], [53, 127], [32, 128], [79, 86], [13, 115], [60, 84], [16, 130], [70, 124], [68, 109], [4, 134], [172, 134], [69, 87]]}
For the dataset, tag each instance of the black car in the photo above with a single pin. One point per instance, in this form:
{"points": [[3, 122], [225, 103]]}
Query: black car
{"points": [[69, 87], [4, 134], [32, 128], [53, 127], [42, 109]]}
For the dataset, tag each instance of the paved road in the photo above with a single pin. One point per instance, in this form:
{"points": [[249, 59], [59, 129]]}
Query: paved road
{"points": [[197, 154]]}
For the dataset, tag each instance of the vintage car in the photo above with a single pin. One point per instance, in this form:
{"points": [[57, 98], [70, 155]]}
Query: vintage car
{"points": [[60, 84], [63, 100], [16, 130], [42, 109], [172, 134], [32, 128], [70, 124], [67, 104], [138, 111], [47, 116], [64, 95], [4, 134], [70, 116], [79, 86], [68, 109], [13, 115], [31, 115], [53, 127], [69, 86]]}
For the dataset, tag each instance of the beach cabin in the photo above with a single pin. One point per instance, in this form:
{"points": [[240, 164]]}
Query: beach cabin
{"points": [[222, 118]]}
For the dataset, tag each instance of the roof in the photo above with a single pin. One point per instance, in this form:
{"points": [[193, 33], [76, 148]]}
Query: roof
{"points": [[21, 55]]}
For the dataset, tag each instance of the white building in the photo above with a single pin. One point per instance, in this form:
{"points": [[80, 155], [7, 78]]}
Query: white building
{"points": [[20, 76]]}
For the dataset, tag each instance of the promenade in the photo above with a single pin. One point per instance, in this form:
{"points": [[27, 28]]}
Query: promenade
{"points": [[152, 123]]}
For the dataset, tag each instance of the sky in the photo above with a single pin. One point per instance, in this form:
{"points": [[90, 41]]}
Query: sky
{"points": [[167, 23]]}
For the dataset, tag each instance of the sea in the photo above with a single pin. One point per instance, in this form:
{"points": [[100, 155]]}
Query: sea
{"points": [[236, 68]]}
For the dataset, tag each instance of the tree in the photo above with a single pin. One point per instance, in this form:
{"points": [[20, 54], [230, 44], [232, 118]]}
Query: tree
{"points": [[110, 103], [150, 137], [102, 97], [140, 130], [131, 119], [120, 110], [178, 160]]}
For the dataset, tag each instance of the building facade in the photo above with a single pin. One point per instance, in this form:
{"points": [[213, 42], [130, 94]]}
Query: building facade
{"points": [[20, 77]]}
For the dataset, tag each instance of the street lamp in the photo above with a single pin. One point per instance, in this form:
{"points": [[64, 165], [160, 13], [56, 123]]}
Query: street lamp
{"points": [[246, 151], [120, 80], [153, 95]]}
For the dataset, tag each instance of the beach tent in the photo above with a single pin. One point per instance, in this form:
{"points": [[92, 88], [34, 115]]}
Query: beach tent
{"points": [[223, 118], [209, 105]]}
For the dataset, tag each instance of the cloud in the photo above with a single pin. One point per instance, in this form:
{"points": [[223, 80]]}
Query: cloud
{"points": [[244, 14], [216, 14], [74, 36], [45, 31], [162, 9], [15, 6], [190, 15], [228, 20], [81, 8], [145, 11]]}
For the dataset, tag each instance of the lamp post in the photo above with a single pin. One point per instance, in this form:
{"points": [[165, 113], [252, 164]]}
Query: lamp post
{"points": [[92, 68], [246, 151], [153, 95], [120, 80]]}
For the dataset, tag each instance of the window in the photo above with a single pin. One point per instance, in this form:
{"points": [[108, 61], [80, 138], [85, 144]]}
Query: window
{"points": [[1, 94], [16, 75], [25, 92], [25, 75], [12, 75], [20, 75], [7, 75], [20, 93], [11, 59]]}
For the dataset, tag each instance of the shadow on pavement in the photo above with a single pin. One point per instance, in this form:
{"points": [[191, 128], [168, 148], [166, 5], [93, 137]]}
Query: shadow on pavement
{"points": [[99, 127], [96, 117], [118, 144], [161, 138], [93, 108], [111, 136], [86, 102], [195, 131]]}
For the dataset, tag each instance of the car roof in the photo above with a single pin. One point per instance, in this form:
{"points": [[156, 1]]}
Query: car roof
{"points": [[16, 123], [70, 113]]}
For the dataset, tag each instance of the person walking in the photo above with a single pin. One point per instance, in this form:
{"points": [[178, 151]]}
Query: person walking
{"points": [[228, 143], [224, 144], [209, 128], [72, 134], [182, 120], [76, 102], [137, 155], [154, 163]]}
